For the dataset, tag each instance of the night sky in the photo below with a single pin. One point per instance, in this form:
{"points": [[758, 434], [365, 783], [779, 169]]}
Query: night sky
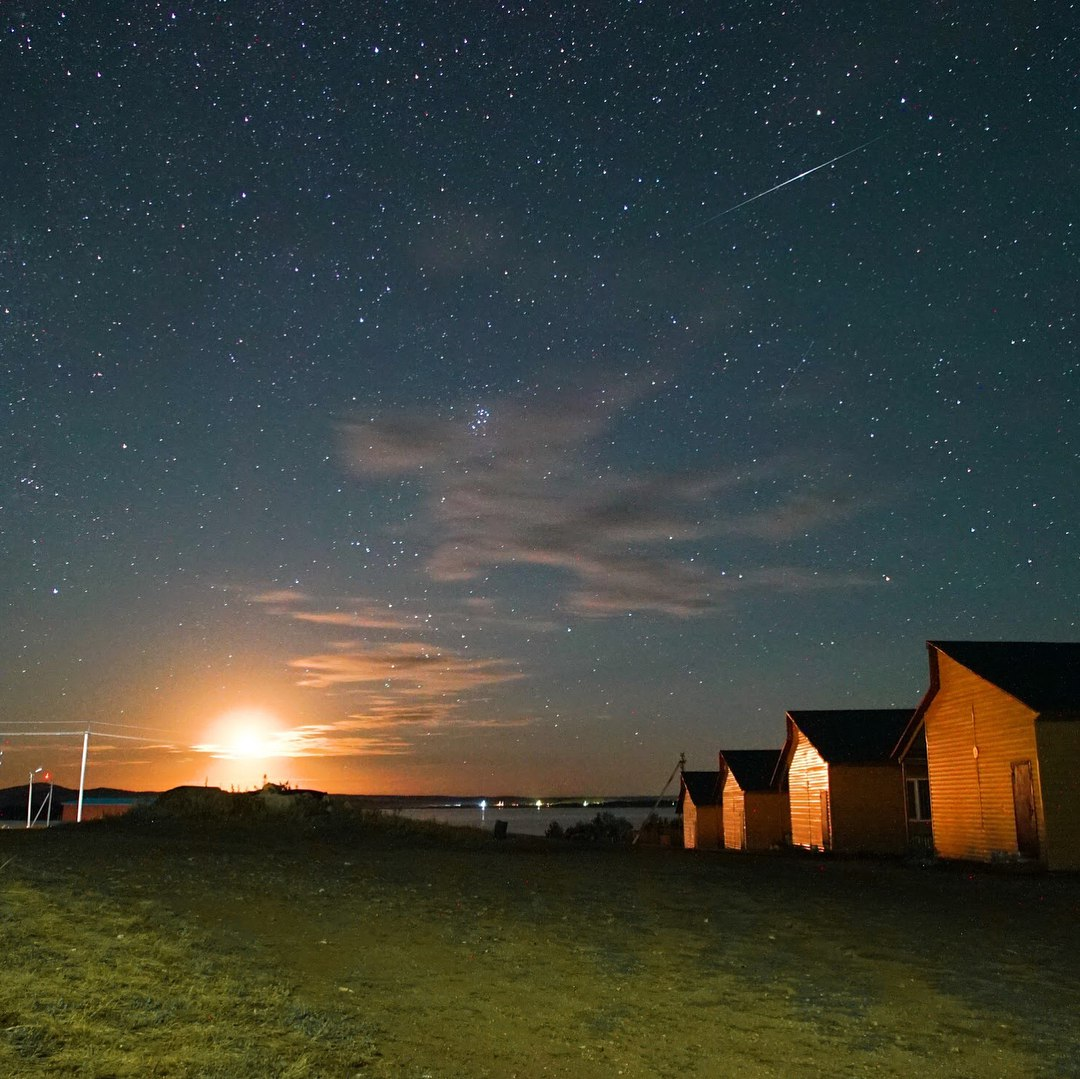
{"points": [[409, 397]]}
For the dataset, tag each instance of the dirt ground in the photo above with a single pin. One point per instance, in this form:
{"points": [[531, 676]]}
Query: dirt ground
{"points": [[340, 952]]}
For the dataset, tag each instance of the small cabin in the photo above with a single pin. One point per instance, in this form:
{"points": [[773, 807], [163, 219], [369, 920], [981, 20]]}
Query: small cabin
{"points": [[98, 808], [754, 812], [1001, 725], [281, 798], [700, 807], [845, 785]]}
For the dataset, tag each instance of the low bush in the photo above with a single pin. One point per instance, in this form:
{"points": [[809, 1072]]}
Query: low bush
{"points": [[604, 828]]}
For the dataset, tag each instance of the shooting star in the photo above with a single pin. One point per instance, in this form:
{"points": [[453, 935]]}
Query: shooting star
{"points": [[802, 175], [792, 373]]}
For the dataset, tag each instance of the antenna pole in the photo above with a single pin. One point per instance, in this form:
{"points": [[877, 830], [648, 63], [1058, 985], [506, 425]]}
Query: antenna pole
{"points": [[681, 766]]}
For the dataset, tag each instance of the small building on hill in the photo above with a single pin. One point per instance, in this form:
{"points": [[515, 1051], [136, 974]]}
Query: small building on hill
{"points": [[845, 786], [1001, 723], [282, 798], [700, 808], [754, 812], [95, 808]]}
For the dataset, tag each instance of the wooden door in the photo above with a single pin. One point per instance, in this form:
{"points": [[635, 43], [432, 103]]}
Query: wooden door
{"points": [[1027, 822]]}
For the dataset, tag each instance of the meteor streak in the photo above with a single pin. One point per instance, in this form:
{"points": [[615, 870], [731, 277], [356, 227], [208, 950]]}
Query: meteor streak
{"points": [[762, 194]]}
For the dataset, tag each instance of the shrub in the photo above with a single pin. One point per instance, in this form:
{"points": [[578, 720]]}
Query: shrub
{"points": [[603, 828], [657, 831]]}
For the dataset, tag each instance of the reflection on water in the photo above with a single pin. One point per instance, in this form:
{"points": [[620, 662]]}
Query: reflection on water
{"points": [[526, 820]]}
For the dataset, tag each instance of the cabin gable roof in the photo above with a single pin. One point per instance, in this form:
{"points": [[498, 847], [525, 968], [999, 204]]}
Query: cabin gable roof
{"points": [[1044, 675], [852, 735], [704, 789], [753, 769]]}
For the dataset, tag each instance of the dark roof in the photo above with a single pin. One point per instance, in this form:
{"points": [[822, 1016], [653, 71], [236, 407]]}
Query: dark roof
{"points": [[753, 768], [1044, 675], [703, 787], [854, 735]]}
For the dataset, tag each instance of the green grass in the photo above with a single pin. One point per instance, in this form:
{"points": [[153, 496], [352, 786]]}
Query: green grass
{"points": [[362, 944], [94, 988]]}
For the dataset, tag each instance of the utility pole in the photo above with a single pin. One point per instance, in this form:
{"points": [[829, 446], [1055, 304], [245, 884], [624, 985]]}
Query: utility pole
{"points": [[82, 774], [30, 795], [679, 768]]}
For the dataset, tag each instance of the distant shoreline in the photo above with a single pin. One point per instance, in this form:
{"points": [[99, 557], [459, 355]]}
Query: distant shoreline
{"points": [[442, 801], [13, 800]]}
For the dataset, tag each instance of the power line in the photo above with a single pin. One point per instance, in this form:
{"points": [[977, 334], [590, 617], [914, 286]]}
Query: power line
{"points": [[85, 730]]}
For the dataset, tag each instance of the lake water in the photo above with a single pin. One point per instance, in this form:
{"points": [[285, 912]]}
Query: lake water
{"points": [[527, 820]]}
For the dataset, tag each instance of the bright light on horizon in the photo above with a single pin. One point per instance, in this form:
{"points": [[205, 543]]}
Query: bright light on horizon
{"points": [[244, 734]]}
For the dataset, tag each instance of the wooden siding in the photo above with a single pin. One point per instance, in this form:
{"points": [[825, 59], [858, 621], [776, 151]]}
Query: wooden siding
{"points": [[702, 826], [869, 813], [753, 820], [1059, 759], [974, 734], [689, 824], [766, 819], [734, 814], [808, 791]]}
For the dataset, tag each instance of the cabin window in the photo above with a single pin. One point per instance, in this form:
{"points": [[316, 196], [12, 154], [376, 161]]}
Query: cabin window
{"points": [[918, 799]]}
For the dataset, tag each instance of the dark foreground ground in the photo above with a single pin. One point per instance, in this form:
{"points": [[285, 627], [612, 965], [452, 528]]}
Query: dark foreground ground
{"points": [[360, 948]]}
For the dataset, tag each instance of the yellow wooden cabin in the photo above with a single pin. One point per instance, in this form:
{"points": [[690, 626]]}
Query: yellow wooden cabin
{"points": [[845, 786], [1001, 722], [700, 808], [755, 813]]}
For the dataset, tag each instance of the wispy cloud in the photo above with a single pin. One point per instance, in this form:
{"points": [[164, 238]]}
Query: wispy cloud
{"points": [[348, 612], [397, 689], [796, 516], [388, 713], [315, 740], [408, 667], [519, 483], [284, 597]]}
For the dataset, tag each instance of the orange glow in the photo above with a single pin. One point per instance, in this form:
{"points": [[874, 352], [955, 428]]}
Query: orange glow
{"points": [[244, 734]]}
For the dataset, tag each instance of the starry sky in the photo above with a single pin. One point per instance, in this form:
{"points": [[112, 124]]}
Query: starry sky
{"points": [[509, 397]]}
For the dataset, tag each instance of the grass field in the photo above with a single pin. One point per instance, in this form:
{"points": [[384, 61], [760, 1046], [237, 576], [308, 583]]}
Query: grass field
{"points": [[363, 946]]}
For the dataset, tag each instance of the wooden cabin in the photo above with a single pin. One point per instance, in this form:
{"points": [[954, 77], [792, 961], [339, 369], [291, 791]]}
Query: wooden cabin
{"points": [[99, 808], [845, 785], [1001, 722], [700, 807], [754, 812]]}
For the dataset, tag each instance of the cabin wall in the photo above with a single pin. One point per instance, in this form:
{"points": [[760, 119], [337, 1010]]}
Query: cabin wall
{"points": [[808, 793], [869, 813], [702, 826], [1059, 753], [70, 811], [710, 827], [734, 800], [689, 824], [767, 819], [974, 734]]}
